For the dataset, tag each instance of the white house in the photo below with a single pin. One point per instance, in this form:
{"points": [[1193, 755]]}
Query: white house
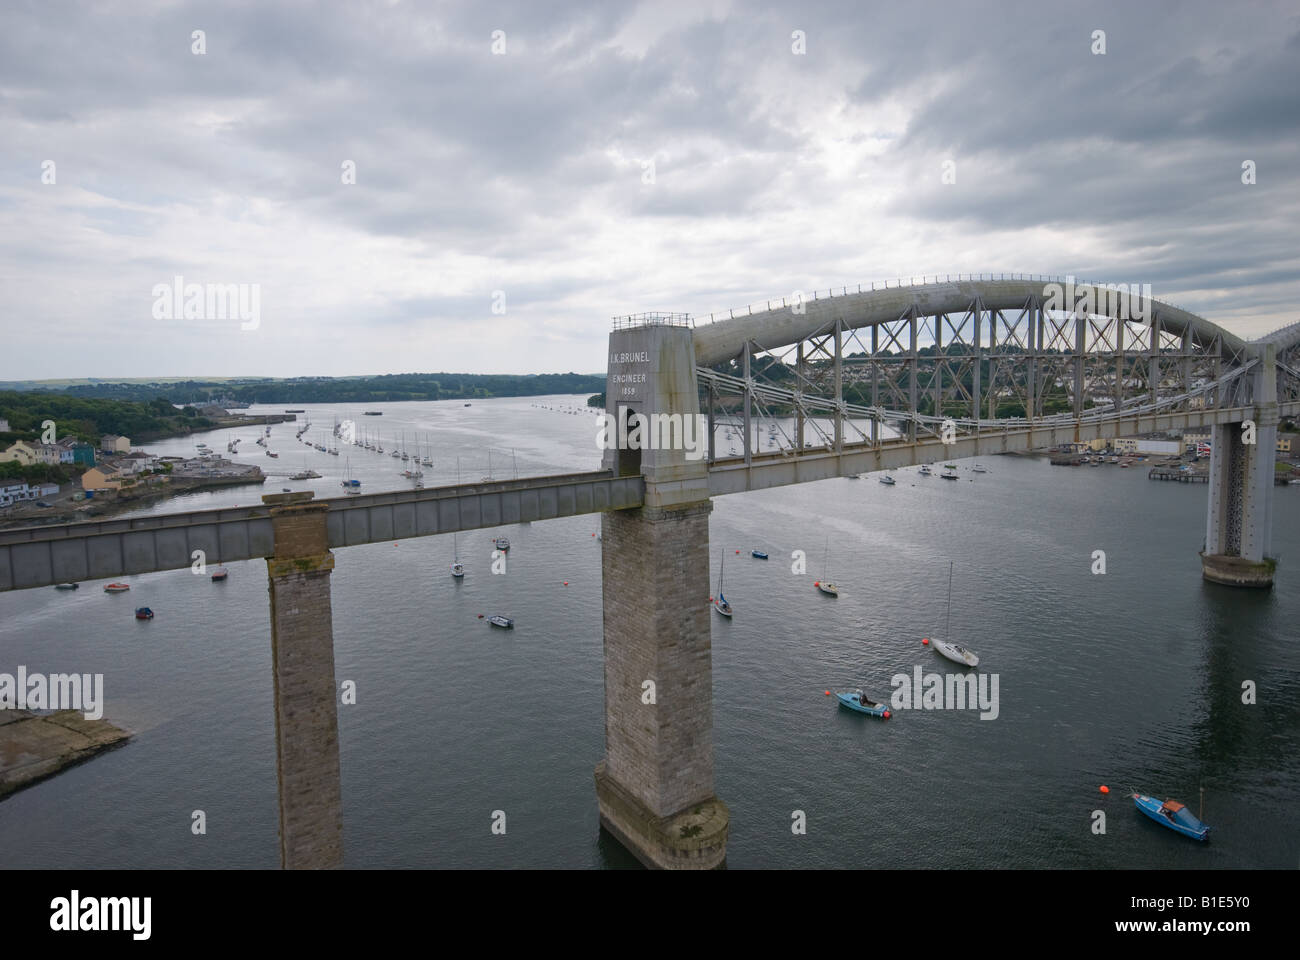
{"points": [[138, 462], [18, 492]]}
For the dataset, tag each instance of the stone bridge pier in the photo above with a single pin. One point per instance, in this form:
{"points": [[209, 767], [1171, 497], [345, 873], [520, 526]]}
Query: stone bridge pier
{"points": [[306, 698], [655, 784], [1239, 520]]}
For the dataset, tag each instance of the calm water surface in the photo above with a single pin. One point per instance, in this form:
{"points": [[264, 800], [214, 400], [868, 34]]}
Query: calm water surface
{"points": [[1131, 679]]}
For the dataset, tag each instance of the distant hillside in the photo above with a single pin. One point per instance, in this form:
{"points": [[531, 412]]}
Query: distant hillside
{"points": [[389, 387], [89, 418]]}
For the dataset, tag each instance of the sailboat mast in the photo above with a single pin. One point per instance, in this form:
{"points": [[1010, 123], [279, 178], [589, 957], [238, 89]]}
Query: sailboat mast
{"points": [[947, 626]]}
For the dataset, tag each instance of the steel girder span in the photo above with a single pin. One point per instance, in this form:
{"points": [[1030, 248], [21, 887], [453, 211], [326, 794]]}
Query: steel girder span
{"points": [[959, 366]]}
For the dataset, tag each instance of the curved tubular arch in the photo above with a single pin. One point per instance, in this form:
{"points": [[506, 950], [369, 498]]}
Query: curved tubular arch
{"points": [[781, 326]]}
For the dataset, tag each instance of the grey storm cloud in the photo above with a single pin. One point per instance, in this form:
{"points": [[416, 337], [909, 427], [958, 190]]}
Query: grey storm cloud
{"points": [[527, 172]]}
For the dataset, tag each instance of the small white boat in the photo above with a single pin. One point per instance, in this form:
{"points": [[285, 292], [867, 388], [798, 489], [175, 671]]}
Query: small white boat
{"points": [[953, 651], [887, 480], [979, 468], [501, 543], [956, 652], [504, 622], [926, 471]]}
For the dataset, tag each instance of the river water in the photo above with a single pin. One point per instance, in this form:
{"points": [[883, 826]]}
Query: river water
{"points": [[1132, 678]]}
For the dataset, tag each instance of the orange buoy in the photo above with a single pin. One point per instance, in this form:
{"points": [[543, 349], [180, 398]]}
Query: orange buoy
{"points": [[925, 641], [828, 693], [1104, 788]]}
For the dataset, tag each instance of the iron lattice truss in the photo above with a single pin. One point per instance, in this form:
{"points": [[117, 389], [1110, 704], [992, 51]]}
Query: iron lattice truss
{"points": [[1287, 343], [979, 371]]}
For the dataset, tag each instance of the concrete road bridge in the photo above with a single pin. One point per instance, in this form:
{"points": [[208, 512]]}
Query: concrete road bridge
{"points": [[859, 380]]}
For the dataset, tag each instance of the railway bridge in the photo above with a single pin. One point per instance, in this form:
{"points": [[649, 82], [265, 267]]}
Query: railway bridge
{"points": [[847, 382]]}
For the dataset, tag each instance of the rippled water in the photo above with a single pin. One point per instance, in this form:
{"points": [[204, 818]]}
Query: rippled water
{"points": [[1131, 679]]}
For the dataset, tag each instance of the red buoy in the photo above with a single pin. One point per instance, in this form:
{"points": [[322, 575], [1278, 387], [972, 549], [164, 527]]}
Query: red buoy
{"points": [[886, 714], [925, 641], [1104, 788], [828, 693]]}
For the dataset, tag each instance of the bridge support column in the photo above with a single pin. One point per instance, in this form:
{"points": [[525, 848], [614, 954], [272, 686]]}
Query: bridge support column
{"points": [[654, 786], [306, 706], [1239, 519]]}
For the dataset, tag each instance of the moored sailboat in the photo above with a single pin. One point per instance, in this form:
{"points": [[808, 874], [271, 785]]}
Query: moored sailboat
{"points": [[720, 603], [953, 651], [349, 485], [824, 585], [457, 568]]}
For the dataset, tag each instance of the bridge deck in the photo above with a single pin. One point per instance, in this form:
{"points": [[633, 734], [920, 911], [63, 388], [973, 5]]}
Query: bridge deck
{"points": [[93, 550]]}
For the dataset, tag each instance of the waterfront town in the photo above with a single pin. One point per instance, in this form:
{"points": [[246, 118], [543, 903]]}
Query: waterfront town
{"points": [[111, 475]]}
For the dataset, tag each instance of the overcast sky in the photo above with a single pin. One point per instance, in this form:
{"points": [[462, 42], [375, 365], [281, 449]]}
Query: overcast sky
{"points": [[525, 171]]}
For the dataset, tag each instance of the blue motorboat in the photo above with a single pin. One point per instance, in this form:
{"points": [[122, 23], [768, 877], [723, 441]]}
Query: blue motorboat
{"points": [[858, 701], [1172, 814], [759, 554]]}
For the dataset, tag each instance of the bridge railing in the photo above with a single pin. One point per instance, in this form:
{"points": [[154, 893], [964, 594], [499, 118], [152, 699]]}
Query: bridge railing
{"points": [[897, 283]]}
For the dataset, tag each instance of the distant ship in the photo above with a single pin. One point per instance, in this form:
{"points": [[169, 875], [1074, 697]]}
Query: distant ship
{"points": [[374, 413], [295, 411]]}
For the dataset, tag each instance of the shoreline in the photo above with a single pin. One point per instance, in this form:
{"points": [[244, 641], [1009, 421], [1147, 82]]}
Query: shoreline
{"points": [[35, 748]]}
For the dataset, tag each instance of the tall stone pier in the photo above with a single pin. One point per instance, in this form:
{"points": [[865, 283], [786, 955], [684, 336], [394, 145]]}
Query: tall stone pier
{"points": [[306, 699], [655, 783], [1239, 520]]}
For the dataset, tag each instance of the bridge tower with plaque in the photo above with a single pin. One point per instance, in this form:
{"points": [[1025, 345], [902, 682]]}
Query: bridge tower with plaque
{"points": [[655, 784]]}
